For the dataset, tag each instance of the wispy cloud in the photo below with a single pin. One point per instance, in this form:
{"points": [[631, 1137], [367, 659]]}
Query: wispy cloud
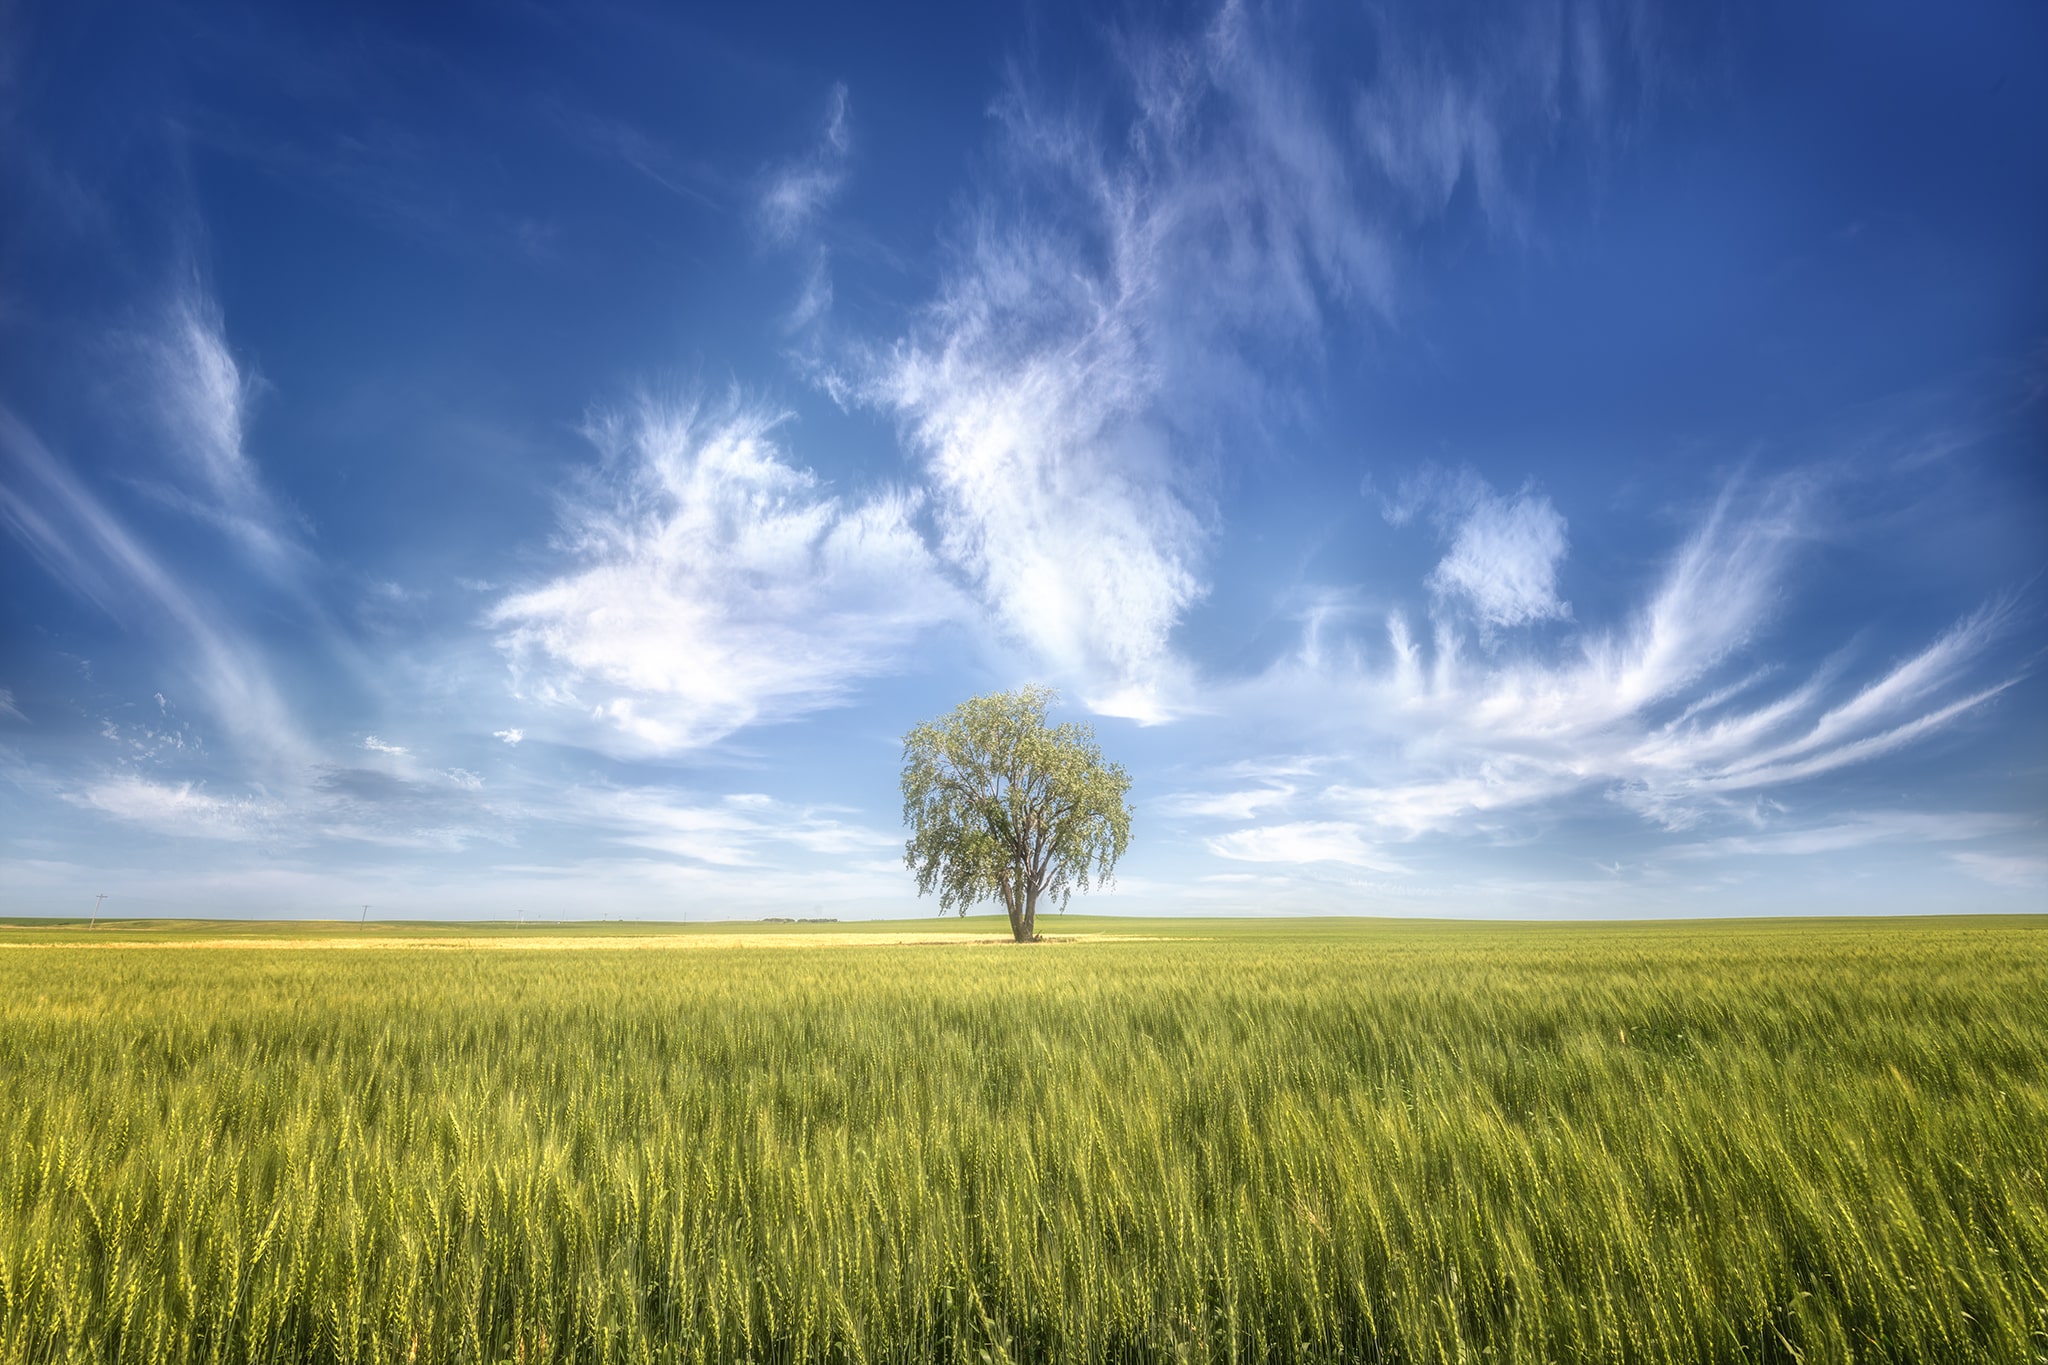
{"points": [[1304, 842], [183, 809], [442, 811], [748, 847], [790, 208], [628, 144], [1242, 804], [740, 830], [1464, 102], [7, 706], [1142, 296], [1847, 830], [794, 193], [91, 552], [1036, 384], [201, 400], [1668, 715], [1503, 553], [2004, 869], [150, 742], [717, 584]]}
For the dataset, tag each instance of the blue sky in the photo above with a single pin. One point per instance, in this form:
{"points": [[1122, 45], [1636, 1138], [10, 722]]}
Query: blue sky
{"points": [[1550, 460]]}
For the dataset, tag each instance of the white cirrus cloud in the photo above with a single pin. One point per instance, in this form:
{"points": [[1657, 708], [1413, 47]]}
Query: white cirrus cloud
{"points": [[182, 808], [794, 193], [1142, 296], [1241, 804], [790, 210], [1039, 384], [1503, 562], [2026, 870], [511, 736], [1308, 841], [93, 553], [201, 399], [742, 830], [714, 584], [1845, 830], [1467, 104], [1503, 552], [1669, 714]]}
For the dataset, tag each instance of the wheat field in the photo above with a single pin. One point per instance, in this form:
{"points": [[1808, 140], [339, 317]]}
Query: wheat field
{"points": [[1301, 1141]]}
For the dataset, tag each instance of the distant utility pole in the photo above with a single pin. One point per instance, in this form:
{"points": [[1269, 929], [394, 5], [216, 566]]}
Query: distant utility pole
{"points": [[98, 901], [366, 916]]}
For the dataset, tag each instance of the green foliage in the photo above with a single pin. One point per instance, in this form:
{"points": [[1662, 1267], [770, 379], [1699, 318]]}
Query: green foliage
{"points": [[1720, 1142], [1002, 808]]}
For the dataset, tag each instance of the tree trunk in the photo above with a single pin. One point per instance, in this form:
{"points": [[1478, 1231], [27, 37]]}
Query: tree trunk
{"points": [[1026, 926], [1020, 926]]}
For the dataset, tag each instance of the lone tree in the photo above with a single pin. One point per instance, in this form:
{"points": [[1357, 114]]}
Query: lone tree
{"points": [[1002, 807]]}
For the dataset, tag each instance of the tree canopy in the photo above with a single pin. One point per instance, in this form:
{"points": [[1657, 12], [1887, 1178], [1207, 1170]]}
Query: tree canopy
{"points": [[1002, 807]]}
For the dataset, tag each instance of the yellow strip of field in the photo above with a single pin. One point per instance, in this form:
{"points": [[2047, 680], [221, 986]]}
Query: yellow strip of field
{"points": [[607, 942]]}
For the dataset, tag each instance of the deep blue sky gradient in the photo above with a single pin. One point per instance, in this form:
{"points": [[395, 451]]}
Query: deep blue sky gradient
{"points": [[1577, 460]]}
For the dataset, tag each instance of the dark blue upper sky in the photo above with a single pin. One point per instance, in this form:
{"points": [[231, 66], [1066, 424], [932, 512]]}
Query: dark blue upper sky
{"points": [[1565, 459]]}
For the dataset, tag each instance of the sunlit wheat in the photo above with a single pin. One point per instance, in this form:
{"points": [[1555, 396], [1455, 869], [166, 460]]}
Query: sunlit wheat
{"points": [[1675, 1143]]}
